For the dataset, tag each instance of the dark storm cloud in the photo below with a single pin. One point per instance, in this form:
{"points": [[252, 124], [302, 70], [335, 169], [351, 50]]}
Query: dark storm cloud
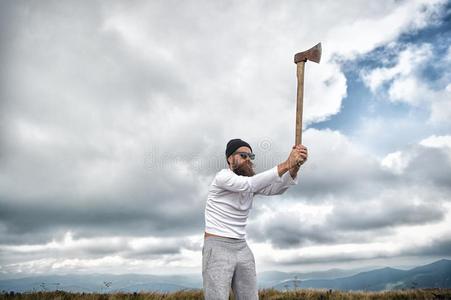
{"points": [[437, 247], [391, 214], [285, 232], [154, 252], [344, 257], [94, 248], [430, 167], [167, 215], [8, 24], [347, 223]]}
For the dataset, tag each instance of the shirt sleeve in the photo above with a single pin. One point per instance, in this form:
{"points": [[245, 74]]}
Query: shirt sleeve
{"points": [[280, 186], [230, 181]]}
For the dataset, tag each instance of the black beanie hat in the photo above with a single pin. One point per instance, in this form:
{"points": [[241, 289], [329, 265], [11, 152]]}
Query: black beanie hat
{"points": [[234, 144]]}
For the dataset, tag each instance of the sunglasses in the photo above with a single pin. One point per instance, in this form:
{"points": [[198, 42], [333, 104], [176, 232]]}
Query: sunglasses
{"points": [[245, 155]]}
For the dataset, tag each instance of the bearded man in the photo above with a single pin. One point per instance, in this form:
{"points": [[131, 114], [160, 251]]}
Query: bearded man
{"points": [[227, 260]]}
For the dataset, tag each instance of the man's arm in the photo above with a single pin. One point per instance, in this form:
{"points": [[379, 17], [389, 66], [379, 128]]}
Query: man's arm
{"points": [[294, 171], [230, 181], [283, 168], [236, 183], [287, 179], [278, 187]]}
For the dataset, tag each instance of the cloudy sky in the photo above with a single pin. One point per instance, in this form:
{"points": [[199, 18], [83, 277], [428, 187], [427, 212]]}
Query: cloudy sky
{"points": [[114, 117]]}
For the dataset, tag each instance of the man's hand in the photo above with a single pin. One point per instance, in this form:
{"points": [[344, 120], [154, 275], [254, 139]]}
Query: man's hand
{"points": [[303, 154], [302, 150], [293, 159], [296, 158]]}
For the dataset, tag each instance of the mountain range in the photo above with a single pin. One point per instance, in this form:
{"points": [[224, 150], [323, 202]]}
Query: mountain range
{"points": [[434, 275]]}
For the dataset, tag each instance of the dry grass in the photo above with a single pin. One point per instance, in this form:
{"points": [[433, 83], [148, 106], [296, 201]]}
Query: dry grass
{"points": [[339, 295], [267, 294]]}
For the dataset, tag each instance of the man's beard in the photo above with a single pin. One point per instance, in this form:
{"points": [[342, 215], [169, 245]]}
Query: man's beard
{"points": [[244, 169]]}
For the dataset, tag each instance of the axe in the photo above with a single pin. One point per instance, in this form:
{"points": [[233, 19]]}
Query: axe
{"points": [[312, 54]]}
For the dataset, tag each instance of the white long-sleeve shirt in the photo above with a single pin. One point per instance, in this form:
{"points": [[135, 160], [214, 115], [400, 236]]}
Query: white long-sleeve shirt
{"points": [[230, 199]]}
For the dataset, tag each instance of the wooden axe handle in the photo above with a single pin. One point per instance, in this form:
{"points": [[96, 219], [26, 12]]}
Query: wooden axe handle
{"points": [[300, 102]]}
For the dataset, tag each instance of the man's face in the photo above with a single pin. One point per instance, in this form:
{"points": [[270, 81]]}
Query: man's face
{"points": [[239, 165]]}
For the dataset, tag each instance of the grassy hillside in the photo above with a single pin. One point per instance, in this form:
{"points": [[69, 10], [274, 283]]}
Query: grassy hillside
{"points": [[263, 294]]}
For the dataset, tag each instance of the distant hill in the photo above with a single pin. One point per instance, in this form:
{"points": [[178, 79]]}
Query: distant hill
{"points": [[437, 274], [268, 279], [101, 283], [138, 282]]}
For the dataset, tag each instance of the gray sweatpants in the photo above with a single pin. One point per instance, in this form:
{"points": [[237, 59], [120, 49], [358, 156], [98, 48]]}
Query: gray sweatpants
{"points": [[228, 263]]}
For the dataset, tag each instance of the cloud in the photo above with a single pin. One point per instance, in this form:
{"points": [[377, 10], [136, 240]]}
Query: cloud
{"points": [[396, 162], [419, 163], [66, 252], [437, 142], [407, 82], [241, 81], [379, 214], [440, 246], [389, 247], [382, 24], [114, 120], [408, 61], [377, 203], [336, 166], [289, 226]]}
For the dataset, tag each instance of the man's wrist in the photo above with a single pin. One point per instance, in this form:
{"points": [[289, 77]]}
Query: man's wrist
{"points": [[294, 172], [283, 167]]}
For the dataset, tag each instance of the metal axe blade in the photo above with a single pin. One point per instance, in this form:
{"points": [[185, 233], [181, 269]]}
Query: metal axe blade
{"points": [[312, 54]]}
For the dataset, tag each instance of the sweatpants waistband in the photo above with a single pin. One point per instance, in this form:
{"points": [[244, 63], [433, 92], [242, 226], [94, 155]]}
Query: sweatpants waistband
{"points": [[225, 239]]}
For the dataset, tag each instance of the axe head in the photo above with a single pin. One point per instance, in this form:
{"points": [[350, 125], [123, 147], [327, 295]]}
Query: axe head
{"points": [[312, 54]]}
